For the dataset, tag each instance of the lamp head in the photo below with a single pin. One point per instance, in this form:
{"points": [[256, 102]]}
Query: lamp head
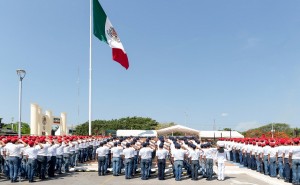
{"points": [[21, 73]]}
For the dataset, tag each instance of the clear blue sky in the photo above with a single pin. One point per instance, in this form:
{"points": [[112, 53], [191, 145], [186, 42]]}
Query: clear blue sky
{"points": [[191, 62]]}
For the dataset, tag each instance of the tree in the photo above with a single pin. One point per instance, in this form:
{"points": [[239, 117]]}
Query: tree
{"points": [[128, 123], [25, 128], [164, 125], [281, 130]]}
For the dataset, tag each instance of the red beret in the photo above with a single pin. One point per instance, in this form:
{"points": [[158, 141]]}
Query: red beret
{"points": [[14, 140], [296, 140], [30, 143]]}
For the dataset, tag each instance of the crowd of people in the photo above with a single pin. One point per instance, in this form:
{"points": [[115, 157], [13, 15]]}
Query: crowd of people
{"points": [[41, 157], [277, 158]]}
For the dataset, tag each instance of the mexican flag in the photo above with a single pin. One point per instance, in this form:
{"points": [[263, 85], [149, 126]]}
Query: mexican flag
{"points": [[104, 31]]}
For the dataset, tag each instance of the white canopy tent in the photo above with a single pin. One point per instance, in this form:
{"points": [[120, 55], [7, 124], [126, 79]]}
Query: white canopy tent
{"points": [[178, 128], [219, 134]]}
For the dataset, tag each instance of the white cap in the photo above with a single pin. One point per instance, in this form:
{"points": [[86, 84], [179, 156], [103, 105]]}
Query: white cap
{"points": [[221, 144]]}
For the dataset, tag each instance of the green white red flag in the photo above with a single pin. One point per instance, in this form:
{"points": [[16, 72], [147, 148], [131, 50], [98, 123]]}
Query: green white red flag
{"points": [[104, 31]]}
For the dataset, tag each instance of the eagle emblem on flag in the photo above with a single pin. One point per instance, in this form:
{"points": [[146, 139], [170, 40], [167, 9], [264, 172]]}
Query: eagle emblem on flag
{"points": [[113, 34]]}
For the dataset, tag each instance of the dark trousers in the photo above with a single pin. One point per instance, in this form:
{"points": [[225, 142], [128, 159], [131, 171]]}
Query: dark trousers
{"points": [[80, 155], [287, 170], [23, 167], [134, 165], [90, 152], [51, 168], [209, 168], [41, 166], [1, 164], [231, 155], [66, 162], [194, 169], [253, 162], [187, 166], [59, 162], [245, 159], [161, 168], [248, 160]]}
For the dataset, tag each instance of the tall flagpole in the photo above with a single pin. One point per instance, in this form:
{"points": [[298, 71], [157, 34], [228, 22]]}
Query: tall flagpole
{"points": [[90, 79]]}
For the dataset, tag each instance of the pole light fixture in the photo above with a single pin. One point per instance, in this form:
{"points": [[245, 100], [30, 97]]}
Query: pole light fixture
{"points": [[21, 73]]}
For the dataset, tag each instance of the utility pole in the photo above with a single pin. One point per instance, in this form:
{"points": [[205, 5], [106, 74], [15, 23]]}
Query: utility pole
{"points": [[214, 125], [12, 123]]}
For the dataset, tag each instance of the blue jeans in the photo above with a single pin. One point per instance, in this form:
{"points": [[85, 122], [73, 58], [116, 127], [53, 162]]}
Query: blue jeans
{"points": [[106, 163], [6, 167], [31, 166], [59, 162], [72, 158], [42, 165], [121, 165], [24, 167], [209, 168], [296, 170], [258, 164], [266, 165], [248, 160], [194, 169], [287, 170], [128, 167], [187, 166], [80, 155], [85, 154], [116, 163], [66, 162], [280, 167], [76, 158], [101, 164], [13, 168], [273, 167], [245, 159], [234, 155], [241, 157], [135, 164], [253, 162], [150, 167], [178, 169], [144, 169], [94, 152]]}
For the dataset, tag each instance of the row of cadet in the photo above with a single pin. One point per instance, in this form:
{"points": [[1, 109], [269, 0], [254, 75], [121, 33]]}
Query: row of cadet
{"points": [[277, 158], [43, 157], [173, 154]]}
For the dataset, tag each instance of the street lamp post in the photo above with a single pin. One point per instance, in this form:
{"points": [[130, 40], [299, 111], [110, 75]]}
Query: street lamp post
{"points": [[21, 73]]}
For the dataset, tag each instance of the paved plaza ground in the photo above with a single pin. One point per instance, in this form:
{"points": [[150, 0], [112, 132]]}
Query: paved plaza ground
{"points": [[234, 176]]}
